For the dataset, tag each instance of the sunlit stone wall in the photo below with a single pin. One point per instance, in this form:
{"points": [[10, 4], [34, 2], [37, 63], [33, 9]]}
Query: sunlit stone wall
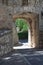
{"points": [[5, 33], [8, 37], [6, 20]]}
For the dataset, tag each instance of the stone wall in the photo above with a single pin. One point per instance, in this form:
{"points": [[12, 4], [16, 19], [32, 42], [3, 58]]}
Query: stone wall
{"points": [[8, 34], [6, 22], [5, 41]]}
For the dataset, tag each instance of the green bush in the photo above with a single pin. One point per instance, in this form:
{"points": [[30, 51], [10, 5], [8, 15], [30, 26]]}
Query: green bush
{"points": [[23, 32], [21, 23]]}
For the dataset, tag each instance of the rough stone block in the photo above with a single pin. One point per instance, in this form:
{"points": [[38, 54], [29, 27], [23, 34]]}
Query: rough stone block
{"points": [[6, 42]]}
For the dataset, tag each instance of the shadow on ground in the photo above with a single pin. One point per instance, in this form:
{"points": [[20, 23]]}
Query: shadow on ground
{"points": [[23, 57]]}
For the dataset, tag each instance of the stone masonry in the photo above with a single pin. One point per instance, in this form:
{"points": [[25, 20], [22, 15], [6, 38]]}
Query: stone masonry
{"points": [[5, 33], [6, 21], [8, 38], [5, 41]]}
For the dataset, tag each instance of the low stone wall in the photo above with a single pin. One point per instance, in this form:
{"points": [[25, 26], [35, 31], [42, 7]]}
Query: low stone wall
{"points": [[5, 41]]}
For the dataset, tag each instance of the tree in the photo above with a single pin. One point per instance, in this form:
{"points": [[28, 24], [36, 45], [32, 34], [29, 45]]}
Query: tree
{"points": [[21, 23]]}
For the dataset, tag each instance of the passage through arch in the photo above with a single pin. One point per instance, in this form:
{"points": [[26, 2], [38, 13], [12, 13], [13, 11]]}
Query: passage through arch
{"points": [[23, 29], [33, 21]]}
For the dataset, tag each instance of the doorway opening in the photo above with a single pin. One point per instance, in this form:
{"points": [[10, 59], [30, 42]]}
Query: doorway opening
{"points": [[23, 28]]}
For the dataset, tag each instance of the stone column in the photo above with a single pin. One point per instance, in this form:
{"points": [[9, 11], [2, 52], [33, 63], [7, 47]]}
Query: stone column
{"points": [[29, 38], [33, 33], [35, 30]]}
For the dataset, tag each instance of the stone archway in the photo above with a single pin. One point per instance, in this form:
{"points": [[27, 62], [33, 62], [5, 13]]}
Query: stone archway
{"points": [[33, 19], [24, 34]]}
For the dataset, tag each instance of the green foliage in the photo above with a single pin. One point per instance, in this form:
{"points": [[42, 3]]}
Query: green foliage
{"points": [[21, 23], [23, 32]]}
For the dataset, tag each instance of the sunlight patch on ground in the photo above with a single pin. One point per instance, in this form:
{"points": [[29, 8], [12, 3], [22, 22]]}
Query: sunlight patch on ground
{"points": [[24, 46], [7, 58]]}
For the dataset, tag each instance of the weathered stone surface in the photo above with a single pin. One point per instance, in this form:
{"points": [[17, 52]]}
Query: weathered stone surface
{"points": [[6, 42], [6, 22], [8, 34], [33, 19]]}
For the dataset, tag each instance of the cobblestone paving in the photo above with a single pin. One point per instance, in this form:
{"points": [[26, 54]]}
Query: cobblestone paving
{"points": [[23, 57]]}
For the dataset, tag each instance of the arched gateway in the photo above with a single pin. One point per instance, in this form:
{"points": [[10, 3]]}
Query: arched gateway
{"points": [[33, 20], [10, 38]]}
